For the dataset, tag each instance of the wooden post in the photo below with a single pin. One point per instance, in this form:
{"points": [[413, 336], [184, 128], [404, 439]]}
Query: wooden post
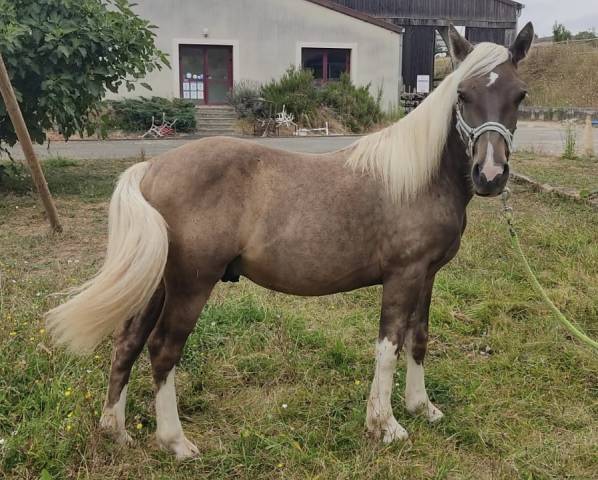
{"points": [[16, 117], [588, 137]]}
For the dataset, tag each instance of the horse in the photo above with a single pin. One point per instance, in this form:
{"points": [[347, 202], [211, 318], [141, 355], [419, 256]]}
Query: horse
{"points": [[390, 209]]}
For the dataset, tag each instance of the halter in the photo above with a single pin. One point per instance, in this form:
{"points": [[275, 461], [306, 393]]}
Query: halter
{"points": [[470, 135]]}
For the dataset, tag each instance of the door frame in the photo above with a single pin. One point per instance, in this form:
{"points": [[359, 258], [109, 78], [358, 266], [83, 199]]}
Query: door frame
{"points": [[203, 50], [177, 42]]}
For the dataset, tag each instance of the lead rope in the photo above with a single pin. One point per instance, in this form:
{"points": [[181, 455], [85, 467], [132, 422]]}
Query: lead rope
{"points": [[508, 214]]}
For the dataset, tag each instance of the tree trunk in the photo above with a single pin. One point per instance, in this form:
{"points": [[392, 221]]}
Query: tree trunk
{"points": [[16, 117]]}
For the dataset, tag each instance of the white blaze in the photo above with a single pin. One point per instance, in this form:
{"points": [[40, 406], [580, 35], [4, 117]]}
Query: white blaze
{"points": [[490, 169], [492, 78]]}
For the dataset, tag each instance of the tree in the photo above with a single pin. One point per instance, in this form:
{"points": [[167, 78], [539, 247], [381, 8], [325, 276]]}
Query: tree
{"points": [[64, 55], [560, 33]]}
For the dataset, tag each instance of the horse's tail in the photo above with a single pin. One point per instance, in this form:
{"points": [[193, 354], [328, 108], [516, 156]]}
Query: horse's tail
{"points": [[133, 268]]}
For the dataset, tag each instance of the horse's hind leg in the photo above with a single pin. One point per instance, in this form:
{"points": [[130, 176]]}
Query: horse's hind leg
{"points": [[128, 343], [181, 311], [416, 341]]}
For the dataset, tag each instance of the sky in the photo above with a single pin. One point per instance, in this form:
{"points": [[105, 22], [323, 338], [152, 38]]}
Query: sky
{"points": [[576, 15]]}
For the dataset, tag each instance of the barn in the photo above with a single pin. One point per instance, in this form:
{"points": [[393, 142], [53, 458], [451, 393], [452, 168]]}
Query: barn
{"points": [[213, 44], [482, 20]]}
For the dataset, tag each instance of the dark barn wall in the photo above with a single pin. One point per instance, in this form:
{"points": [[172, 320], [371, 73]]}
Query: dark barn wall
{"points": [[477, 35], [418, 54], [485, 20], [490, 13]]}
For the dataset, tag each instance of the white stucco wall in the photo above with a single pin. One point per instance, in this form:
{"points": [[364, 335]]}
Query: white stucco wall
{"points": [[267, 37]]}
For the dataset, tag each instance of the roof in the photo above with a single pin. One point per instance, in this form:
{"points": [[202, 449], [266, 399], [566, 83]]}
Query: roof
{"points": [[512, 3], [358, 15]]}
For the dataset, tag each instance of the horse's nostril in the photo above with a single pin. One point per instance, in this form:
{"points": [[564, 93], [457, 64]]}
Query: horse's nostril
{"points": [[476, 172]]}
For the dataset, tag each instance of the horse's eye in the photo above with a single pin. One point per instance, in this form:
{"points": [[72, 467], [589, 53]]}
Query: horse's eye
{"points": [[461, 96]]}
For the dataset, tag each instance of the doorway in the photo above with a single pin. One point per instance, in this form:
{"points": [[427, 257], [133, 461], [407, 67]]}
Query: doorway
{"points": [[205, 73]]}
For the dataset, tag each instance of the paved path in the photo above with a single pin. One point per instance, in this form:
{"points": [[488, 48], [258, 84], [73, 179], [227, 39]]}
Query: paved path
{"points": [[541, 137]]}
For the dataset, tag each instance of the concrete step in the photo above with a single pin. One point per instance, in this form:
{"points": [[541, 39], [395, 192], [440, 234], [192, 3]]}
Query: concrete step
{"points": [[208, 110], [215, 131], [215, 122], [216, 117]]}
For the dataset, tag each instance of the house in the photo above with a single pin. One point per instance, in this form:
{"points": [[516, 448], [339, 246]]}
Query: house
{"points": [[214, 43]]}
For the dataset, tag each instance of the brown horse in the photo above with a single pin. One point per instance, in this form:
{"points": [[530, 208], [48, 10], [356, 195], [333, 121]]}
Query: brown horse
{"points": [[388, 210]]}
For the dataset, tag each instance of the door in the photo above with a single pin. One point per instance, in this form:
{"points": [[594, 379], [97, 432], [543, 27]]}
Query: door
{"points": [[205, 73]]}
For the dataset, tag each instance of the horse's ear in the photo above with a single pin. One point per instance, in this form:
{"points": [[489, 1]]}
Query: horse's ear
{"points": [[522, 43], [459, 47]]}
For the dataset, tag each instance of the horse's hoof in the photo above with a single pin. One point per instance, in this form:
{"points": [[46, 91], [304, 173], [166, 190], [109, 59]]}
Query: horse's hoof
{"points": [[109, 425], [181, 447], [428, 409], [434, 414], [389, 430], [394, 431]]}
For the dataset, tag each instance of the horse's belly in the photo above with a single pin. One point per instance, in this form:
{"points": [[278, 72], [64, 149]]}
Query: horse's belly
{"points": [[308, 276]]}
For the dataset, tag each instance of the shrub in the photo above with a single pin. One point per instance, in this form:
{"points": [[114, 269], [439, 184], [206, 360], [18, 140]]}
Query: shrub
{"points": [[358, 109], [246, 98], [135, 115], [295, 90], [393, 114], [569, 140]]}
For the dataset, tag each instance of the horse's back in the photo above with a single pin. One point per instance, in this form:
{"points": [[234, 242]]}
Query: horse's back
{"points": [[273, 211]]}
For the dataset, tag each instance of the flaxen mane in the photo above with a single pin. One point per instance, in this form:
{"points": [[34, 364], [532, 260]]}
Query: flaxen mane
{"points": [[406, 155]]}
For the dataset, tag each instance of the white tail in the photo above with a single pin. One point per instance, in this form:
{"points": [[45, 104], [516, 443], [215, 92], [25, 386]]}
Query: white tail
{"points": [[133, 268]]}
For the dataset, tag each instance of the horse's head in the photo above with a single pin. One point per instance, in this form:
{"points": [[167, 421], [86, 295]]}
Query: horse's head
{"points": [[487, 112]]}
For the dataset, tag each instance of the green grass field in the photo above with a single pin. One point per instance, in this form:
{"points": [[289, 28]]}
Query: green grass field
{"points": [[274, 386], [580, 174]]}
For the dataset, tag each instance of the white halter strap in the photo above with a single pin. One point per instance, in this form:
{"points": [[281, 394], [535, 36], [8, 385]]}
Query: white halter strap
{"points": [[470, 135]]}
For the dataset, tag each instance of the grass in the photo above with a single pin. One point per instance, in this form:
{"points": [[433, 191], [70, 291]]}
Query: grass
{"points": [[562, 75], [519, 395], [579, 173]]}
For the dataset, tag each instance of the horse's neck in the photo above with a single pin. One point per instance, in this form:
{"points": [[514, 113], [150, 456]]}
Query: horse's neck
{"points": [[455, 168]]}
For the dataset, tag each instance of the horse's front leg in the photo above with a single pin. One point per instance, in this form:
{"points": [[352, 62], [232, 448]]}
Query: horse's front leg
{"points": [[416, 342], [399, 302]]}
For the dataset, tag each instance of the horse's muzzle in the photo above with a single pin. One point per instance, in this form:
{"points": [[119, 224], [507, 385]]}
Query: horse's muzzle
{"points": [[490, 187]]}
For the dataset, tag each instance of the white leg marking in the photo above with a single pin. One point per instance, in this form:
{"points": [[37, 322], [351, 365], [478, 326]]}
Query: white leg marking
{"points": [[416, 397], [169, 431], [379, 418], [492, 78], [113, 419]]}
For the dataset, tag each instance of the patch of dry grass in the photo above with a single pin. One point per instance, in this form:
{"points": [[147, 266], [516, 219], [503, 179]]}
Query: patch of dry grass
{"points": [[562, 75]]}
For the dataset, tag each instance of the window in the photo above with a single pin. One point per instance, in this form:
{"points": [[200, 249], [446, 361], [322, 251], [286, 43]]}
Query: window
{"points": [[327, 64]]}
